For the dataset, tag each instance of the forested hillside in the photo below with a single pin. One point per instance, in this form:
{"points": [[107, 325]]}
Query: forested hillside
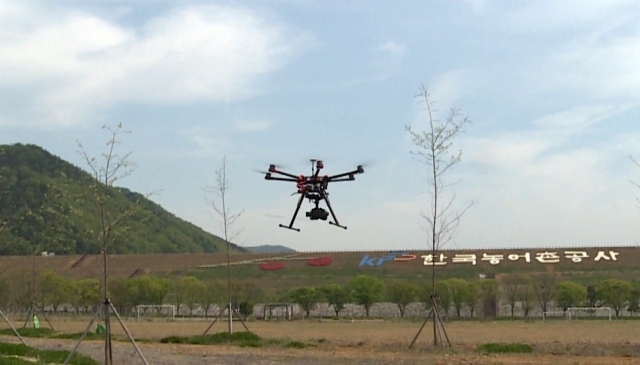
{"points": [[47, 204]]}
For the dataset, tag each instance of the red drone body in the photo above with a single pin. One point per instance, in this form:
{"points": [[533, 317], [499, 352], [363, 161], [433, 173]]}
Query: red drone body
{"points": [[314, 188]]}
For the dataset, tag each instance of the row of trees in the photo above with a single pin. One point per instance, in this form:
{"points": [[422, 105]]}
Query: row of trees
{"points": [[458, 295], [50, 291], [366, 291], [542, 290], [455, 296]]}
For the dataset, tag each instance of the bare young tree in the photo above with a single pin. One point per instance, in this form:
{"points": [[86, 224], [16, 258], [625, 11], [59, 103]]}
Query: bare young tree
{"points": [[544, 286], [527, 296], [108, 169], [226, 218], [512, 285], [3, 188], [634, 182], [433, 148]]}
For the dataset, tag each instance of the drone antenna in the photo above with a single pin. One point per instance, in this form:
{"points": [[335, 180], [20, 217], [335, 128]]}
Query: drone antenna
{"points": [[313, 164]]}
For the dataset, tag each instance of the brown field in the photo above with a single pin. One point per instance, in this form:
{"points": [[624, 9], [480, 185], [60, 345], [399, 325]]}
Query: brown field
{"points": [[386, 342], [79, 267]]}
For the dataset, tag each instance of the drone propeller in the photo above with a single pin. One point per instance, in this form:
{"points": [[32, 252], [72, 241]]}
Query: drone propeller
{"points": [[275, 166], [366, 163], [363, 165]]}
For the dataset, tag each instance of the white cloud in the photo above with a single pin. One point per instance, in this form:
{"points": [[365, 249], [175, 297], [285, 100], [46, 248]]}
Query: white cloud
{"points": [[53, 48], [209, 142], [589, 48], [507, 150], [599, 70], [479, 6], [203, 52], [71, 65], [578, 117], [387, 60], [444, 90], [548, 193], [392, 48], [447, 87]]}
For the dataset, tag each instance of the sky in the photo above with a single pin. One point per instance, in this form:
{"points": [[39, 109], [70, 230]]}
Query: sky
{"points": [[552, 90]]}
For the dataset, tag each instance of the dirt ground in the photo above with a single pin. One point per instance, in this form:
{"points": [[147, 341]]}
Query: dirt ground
{"points": [[370, 342]]}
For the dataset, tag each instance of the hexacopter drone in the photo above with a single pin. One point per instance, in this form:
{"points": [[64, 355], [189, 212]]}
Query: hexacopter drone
{"points": [[314, 188]]}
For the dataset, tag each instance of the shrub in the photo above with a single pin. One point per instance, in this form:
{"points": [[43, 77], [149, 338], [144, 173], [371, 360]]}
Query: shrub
{"points": [[500, 348]]}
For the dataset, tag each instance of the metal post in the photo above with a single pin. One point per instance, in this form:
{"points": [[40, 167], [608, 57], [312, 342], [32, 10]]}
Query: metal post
{"points": [[11, 325]]}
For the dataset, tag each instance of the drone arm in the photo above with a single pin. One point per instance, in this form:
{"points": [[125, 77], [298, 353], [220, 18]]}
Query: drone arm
{"points": [[349, 174], [342, 179], [275, 171], [287, 174], [269, 177]]}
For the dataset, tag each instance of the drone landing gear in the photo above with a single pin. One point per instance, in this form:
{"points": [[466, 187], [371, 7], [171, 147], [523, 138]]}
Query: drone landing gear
{"points": [[316, 213], [291, 228], [333, 215], [337, 225]]}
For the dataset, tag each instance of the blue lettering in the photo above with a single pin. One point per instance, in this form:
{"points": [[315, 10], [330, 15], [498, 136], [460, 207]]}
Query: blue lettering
{"points": [[389, 257], [366, 261]]}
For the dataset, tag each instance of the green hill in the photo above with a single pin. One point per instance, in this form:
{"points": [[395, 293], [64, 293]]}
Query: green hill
{"points": [[48, 204]]}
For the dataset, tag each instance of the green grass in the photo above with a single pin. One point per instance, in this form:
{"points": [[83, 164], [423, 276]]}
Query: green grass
{"points": [[502, 348], [48, 333], [75, 336], [28, 332], [7, 350], [250, 344], [14, 361], [298, 345], [243, 339]]}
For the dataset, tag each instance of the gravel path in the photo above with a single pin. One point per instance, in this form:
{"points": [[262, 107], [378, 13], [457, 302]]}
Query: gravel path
{"points": [[171, 354]]}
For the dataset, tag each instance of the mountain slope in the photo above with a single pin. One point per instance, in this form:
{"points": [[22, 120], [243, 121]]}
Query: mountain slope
{"points": [[48, 204]]}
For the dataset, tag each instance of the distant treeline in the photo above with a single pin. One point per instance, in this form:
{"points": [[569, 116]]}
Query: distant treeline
{"points": [[455, 297]]}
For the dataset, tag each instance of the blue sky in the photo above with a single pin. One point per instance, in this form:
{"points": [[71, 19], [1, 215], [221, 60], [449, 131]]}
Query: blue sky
{"points": [[552, 89]]}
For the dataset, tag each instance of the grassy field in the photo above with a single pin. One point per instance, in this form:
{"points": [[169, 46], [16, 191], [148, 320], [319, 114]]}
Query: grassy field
{"points": [[553, 342]]}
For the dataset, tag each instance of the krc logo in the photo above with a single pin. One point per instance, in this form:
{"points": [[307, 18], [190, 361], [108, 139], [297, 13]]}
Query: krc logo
{"points": [[400, 256]]}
